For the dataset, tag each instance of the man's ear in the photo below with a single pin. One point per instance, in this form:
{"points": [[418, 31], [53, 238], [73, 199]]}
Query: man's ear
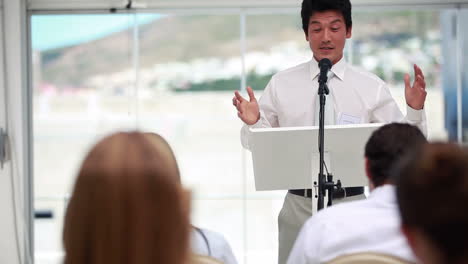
{"points": [[349, 32]]}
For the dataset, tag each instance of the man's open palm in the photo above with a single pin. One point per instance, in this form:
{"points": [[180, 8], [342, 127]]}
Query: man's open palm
{"points": [[247, 110], [415, 95]]}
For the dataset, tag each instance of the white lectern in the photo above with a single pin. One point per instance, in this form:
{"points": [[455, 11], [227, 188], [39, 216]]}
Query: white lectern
{"points": [[288, 158]]}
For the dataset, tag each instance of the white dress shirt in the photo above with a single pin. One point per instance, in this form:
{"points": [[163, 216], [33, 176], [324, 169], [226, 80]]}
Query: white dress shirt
{"points": [[215, 246], [289, 100], [371, 225]]}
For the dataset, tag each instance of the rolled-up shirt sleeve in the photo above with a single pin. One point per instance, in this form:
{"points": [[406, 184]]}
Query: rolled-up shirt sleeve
{"points": [[386, 110], [268, 114]]}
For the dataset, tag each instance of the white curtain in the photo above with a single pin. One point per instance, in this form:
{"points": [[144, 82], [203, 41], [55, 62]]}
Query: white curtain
{"points": [[14, 184]]}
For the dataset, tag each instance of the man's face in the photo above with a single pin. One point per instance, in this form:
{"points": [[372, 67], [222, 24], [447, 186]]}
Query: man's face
{"points": [[327, 35]]}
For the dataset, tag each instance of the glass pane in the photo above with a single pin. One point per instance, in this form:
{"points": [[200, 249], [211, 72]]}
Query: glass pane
{"points": [[262, 229], [83, 81], [189, 66], [451, 53], [388, 43], [185, 88], [274, 42]]}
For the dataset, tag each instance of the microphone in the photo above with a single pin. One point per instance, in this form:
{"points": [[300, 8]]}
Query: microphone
{"points": [[324, 65]]}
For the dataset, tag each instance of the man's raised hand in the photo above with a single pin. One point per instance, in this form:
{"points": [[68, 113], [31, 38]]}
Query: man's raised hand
{"points": [[247, 110], [415, 95]]}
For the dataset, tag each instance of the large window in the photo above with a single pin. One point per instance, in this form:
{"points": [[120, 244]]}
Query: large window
{"points": [[174, 74]]}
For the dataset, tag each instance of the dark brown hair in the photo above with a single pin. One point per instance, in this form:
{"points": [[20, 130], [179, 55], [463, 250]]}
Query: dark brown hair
{"points": [[310, 7], [387, 145], [432, 193], [126, 206]]}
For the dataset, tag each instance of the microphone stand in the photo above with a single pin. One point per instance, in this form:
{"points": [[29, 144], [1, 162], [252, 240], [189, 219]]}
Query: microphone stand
{"points": [[324, 184]]}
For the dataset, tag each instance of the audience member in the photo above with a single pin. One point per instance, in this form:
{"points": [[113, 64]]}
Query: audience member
{"points": [[209, 243], [126, 207], [371, 225], [432, 193]]}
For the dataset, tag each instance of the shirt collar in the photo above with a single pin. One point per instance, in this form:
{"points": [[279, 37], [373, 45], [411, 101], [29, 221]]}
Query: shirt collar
{"points": [[385, 192], [338, 69]]}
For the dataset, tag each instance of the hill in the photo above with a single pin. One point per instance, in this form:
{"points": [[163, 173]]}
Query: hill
{"points": [[169, 39]]}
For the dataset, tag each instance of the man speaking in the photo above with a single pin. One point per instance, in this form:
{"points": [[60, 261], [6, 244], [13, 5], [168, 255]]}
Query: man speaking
{"points": [[356, 96]]}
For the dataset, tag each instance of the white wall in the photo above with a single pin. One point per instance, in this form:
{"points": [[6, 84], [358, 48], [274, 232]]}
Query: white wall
{"points": [[13, 116]]}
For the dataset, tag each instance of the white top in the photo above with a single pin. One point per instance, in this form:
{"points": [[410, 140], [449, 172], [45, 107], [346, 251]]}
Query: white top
{"points": [[289, 99], [371, 225], [218, 246]]}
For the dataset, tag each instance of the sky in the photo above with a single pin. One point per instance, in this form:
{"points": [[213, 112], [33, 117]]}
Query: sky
{"points": [[56, 31]]}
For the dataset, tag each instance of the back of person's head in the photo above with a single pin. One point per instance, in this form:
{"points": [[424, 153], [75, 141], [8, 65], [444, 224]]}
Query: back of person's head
{"points": [[309, 7], [432, 193], [386, 145], [161, 144], [126, 206]]}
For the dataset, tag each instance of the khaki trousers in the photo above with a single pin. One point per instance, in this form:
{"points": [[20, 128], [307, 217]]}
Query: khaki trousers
{"points": [[295, 211]]}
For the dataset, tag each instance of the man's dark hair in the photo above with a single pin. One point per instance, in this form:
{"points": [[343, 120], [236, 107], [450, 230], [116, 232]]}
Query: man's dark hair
{"points": [[309, 7], [386, 145], [432, 194]]}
